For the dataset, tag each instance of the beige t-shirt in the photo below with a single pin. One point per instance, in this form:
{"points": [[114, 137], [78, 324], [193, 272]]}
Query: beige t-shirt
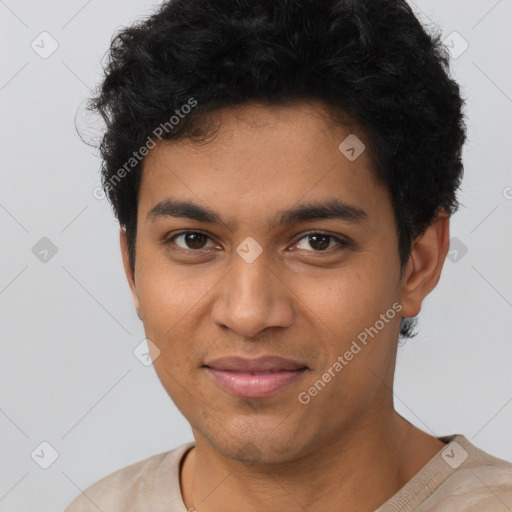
{"points": [[460, 478]]}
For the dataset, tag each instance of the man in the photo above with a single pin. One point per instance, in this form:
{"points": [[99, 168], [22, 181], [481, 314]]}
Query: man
{"points": [[284, 175]]}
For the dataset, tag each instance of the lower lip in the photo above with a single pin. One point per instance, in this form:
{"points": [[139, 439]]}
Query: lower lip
{"points": [[250, 385]]}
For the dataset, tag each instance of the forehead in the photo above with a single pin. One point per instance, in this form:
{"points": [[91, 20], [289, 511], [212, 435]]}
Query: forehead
{"points": [[263, 158]]}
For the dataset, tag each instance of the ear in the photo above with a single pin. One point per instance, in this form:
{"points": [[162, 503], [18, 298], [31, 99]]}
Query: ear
{"points": [[425, 264], [128, 271]]}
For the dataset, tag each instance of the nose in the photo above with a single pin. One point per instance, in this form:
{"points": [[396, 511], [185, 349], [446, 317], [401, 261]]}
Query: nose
{"points": [[252, 297]]}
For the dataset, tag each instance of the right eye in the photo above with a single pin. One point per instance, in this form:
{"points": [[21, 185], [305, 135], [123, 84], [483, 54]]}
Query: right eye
{"points": [[193, 241]]}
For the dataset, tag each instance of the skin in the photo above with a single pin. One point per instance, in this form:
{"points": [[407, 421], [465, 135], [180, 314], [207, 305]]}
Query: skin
{"points": [[347, 449]]}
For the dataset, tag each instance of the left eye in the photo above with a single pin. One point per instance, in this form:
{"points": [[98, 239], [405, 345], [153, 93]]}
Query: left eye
{"points": [[320, 242]]}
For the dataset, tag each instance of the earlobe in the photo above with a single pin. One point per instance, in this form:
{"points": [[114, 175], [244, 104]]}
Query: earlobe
{"points": [[425, 264], [128, 271]]}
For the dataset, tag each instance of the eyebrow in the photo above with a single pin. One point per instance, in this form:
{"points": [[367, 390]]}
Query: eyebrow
{"points": [[330, 209]]}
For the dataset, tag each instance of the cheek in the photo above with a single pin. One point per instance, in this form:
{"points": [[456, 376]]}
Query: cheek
{"points": [[167, 294], [166, 303], [351, 312], [345, 300]]}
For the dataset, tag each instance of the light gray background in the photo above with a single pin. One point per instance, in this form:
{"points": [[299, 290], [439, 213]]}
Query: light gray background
{"points": [[68, 375]]}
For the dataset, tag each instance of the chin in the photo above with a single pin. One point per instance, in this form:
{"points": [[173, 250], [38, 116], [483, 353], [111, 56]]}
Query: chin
{"points": [[253, 449]]}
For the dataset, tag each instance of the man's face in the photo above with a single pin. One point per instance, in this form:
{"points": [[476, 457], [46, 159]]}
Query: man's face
{"points": [[305, 298]]}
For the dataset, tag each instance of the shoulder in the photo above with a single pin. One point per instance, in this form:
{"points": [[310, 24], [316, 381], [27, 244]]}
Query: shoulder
{"points": [[479, 481], [131, 487]]}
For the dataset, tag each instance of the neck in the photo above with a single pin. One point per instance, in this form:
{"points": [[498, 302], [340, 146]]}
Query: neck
{"points": [[358, 470]]}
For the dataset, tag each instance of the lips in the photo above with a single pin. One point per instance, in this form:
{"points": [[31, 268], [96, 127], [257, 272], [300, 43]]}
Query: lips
{"points": [[259, 365], [255, 378]]}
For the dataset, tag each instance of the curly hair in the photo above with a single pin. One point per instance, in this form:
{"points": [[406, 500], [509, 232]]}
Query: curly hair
{"points": [[369, 61]]}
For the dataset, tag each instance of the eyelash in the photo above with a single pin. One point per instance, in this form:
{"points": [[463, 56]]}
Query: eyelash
{"points": [[168, 242]]}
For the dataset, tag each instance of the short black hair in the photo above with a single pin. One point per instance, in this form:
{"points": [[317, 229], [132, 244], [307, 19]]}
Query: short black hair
{"points": [[371, 62]]}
